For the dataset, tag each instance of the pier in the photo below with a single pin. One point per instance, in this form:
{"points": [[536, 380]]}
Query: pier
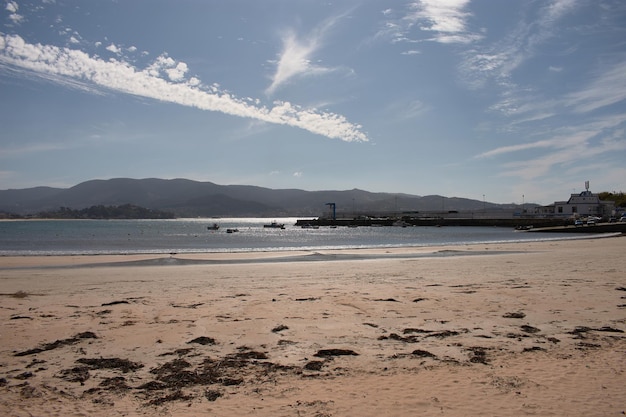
{"points": [[433, 221]]}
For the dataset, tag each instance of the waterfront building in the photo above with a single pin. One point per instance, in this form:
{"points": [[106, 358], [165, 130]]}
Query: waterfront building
{"points": [[582, 204]]}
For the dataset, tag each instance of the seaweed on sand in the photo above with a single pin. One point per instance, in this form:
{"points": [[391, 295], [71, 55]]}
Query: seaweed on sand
{"points": [[123, 365], [58, 343], [325, 353]]}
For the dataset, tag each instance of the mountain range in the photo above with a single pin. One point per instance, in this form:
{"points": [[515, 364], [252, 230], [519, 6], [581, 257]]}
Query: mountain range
{"points": [[187, 198]]}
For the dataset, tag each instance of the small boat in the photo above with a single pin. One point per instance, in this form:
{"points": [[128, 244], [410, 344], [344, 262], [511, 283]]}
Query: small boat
{"points": [[523, 228], [214, 226], [232, 230], [400, 223], [274, 225]]}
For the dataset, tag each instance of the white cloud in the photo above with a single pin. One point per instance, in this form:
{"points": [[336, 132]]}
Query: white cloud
{"points": [[294, 60], [295, 57], [441, 15], [177, 73], [558, 9], [78, 69], [12, 7], [447, 19], [113, 48], [441, 21]]}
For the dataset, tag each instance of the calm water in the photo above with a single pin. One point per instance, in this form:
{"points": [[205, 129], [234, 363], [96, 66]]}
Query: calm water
{"points": [[60, 237]]}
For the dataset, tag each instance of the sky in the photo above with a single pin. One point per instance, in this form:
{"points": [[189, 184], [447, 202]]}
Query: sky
{"points": [[513, 101]]}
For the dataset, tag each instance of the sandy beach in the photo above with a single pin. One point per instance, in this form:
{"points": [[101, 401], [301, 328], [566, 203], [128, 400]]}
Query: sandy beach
{"points": [[516, 329]]}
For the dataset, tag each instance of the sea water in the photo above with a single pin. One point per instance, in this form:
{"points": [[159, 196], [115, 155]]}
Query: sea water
{"points": [[83, 237]]}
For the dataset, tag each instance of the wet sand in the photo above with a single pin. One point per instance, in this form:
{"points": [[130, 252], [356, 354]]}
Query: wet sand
{"points": [[531, 328]]}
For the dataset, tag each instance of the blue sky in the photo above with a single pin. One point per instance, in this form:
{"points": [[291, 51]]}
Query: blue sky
{"points": [[511, 100]]}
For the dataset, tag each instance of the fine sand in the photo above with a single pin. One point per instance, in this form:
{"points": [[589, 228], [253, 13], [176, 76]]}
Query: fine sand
{"points": [[483, 330]]}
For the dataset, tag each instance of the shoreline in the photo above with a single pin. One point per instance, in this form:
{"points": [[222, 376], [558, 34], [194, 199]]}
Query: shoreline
{"points": [[251, 256], [527, 328]]}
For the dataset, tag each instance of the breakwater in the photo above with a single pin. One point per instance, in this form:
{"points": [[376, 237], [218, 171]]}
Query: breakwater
{"points": [[619, 227], [508, 222]]}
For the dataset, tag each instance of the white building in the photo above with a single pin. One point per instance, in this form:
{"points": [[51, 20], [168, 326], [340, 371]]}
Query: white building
{"points": [[584, 204]]}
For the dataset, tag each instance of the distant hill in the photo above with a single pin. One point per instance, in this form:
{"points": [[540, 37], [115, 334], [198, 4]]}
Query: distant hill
{"points": [[187, 198]]}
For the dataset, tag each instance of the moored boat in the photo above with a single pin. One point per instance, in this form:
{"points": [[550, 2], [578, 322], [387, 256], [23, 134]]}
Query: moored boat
{"points": [[274, 225], [523, 228]]}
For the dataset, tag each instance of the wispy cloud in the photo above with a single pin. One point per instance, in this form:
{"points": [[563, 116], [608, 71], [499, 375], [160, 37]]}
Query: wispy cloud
{"points": [[559, 142], [78, 69], [575, 145], [441, 21], [445, 19], [295, 59], [574, 157], [606, 89], [496, 63], [403, 110]]}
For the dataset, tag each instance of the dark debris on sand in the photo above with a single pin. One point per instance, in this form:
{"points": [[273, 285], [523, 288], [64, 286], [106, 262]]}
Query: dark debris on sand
{"points": [[172, 377], [76, 374], [529, 329], [203, 340], [579, 331], [514, 315], [405, 339], [58, 343], [314, 365], [123, 365], [420, 353], [478, 355], [189, 375], [113, 303], [326, 353]]}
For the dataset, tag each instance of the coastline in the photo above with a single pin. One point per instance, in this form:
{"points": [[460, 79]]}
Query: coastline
{"points": [[295, 255], [508, 329]]}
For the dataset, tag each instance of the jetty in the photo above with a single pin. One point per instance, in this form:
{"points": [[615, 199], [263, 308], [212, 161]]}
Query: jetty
{"points": [[617, 227]]}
